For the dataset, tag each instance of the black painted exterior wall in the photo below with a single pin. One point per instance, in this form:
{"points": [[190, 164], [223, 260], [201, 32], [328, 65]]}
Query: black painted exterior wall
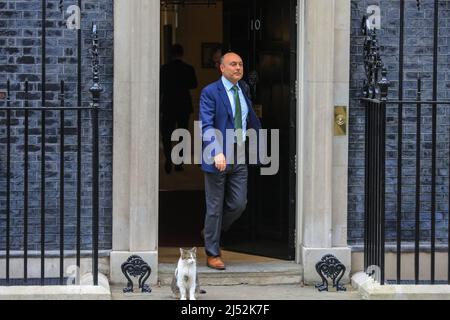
{"points": [[20, 59], [418, 60]]}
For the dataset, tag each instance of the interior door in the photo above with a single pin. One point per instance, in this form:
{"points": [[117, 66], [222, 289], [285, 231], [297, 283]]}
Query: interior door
{"points": [[263, 32]]}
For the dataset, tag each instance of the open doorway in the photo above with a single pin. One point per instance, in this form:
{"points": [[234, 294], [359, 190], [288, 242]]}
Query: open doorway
{"points": [[263, 32]]}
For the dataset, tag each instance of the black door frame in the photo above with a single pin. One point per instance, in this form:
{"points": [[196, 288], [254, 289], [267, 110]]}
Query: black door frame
{"points": [[290, 161], [293, 127]]}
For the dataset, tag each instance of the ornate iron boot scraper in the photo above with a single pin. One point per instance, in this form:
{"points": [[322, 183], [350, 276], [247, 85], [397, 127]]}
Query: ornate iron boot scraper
{"points": [[329, 266], [136, 267]]}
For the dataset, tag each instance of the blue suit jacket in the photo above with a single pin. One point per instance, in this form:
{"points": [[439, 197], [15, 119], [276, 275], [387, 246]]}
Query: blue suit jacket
{"points": [[216, 114]]}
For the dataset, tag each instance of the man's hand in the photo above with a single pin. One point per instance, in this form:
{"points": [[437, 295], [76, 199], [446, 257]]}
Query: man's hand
{"points": [[221, 163]]}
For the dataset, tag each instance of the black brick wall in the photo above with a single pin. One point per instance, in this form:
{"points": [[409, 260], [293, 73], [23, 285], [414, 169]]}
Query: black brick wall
{"points": [[20, 59], [418, 61]]}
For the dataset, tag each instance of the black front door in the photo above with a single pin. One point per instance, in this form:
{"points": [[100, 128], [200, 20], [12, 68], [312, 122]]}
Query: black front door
{"points": [[263, 32]]}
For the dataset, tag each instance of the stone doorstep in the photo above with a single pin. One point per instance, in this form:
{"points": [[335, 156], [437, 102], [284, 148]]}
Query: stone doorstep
{"points": [[270, 273], [85, 291], [372, 290]]}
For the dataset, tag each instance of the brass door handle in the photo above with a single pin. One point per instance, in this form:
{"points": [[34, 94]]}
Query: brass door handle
{"points": [[340, 120]]}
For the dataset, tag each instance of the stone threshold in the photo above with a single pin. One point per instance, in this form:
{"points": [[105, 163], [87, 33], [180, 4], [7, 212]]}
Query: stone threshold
{"points": [[369, 289], [85, 291], [256, 273]]}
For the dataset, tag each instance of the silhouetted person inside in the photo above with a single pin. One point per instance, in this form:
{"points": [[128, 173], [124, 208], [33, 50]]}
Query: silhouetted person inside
{"points": [[177, 78]]}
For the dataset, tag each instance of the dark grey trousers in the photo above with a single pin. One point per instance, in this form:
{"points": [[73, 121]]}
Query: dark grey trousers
{"points": [[226, 200]]}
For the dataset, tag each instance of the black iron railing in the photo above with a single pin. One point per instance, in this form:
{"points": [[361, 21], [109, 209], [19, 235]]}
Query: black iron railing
{"points": [[25, 115], [375, 102], [21, 118]]}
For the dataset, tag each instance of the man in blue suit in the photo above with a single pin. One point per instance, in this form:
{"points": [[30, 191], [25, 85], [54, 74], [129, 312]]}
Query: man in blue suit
{"points": [[225, 105]]}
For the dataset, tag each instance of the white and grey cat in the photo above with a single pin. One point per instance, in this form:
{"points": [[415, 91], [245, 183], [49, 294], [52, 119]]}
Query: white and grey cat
{"points": [[185, 280]]}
